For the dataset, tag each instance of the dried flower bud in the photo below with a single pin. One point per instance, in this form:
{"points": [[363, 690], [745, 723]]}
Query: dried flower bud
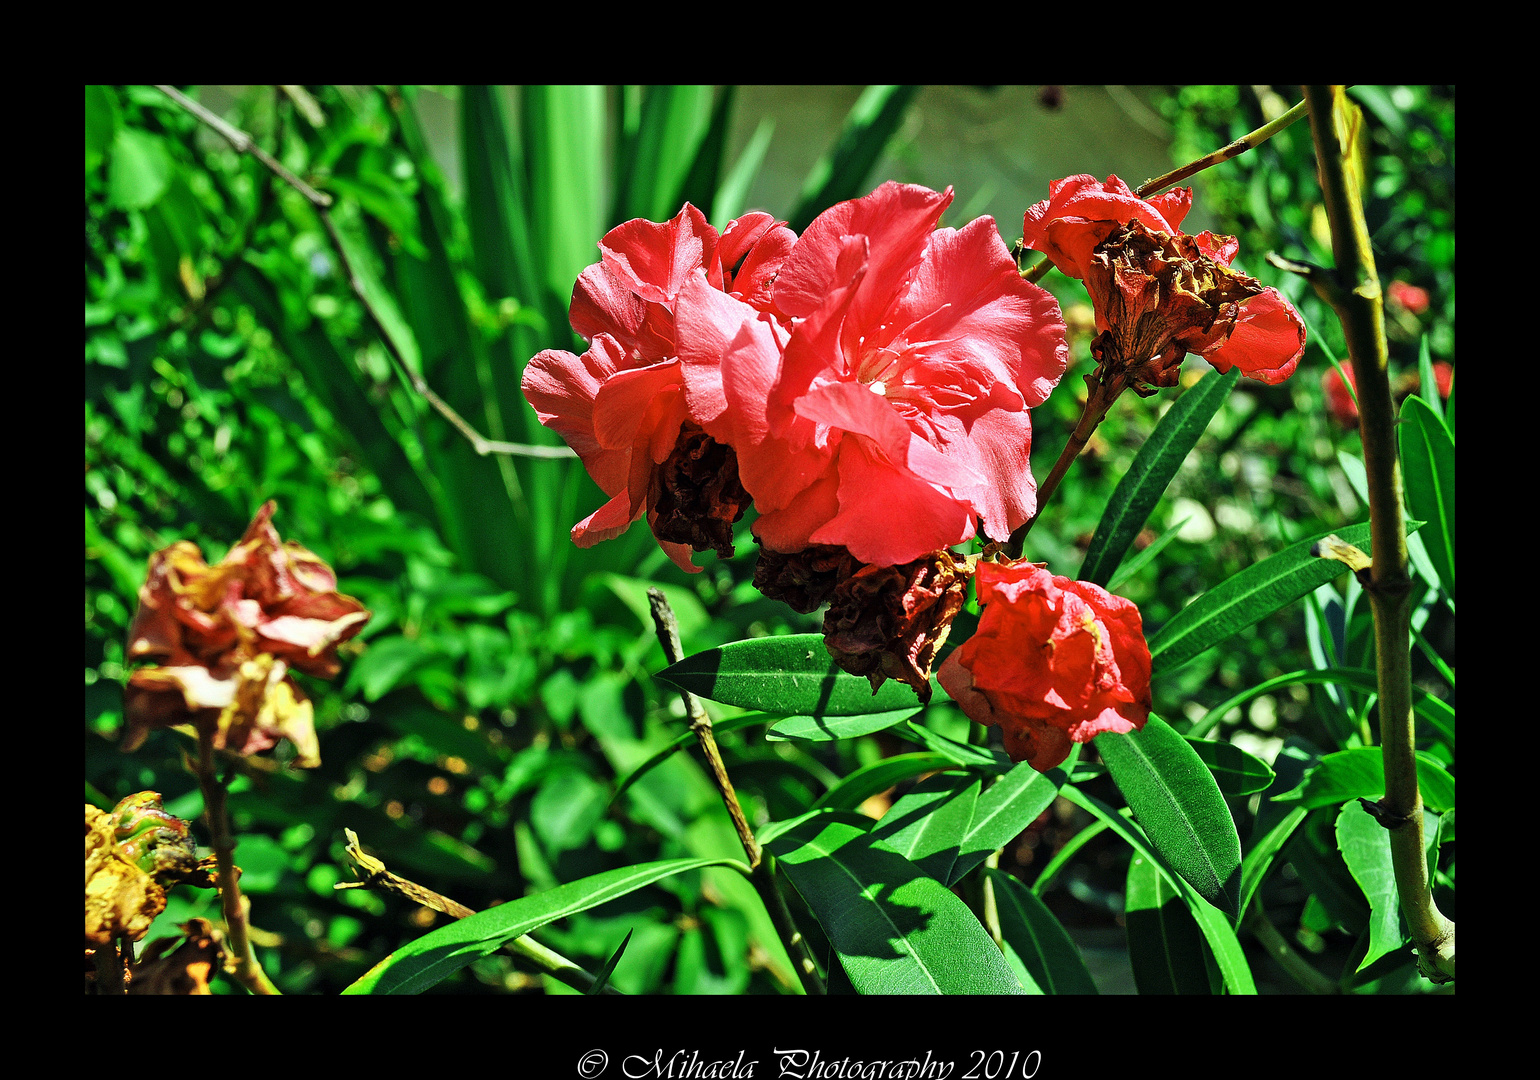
{"points": [[805, 579], [886, 622], [695, 494], [1159, 296]]}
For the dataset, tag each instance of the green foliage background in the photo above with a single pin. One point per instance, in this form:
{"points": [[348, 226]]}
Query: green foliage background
{"points": [[502, 687]]}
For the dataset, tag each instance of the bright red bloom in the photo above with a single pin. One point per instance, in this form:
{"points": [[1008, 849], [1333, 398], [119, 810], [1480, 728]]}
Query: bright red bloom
{"points": [[893, 410], [1163, 292], [621, 404], [1412, 297], [1054, 661]]}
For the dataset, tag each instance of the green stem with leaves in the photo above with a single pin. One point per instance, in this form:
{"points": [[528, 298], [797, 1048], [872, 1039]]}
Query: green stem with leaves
{"points": [[1353, 290]]}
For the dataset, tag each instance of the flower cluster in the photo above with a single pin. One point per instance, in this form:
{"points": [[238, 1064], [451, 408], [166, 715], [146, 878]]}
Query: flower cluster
{"points": [[224, 638], [1159, 293], [865, 386]]}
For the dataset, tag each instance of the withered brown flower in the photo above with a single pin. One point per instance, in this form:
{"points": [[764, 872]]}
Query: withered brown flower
{"points": [[226, 637], [886, 622]]}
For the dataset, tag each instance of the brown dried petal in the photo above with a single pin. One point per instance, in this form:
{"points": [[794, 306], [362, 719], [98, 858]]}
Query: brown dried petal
{"points": [[186, 970], [804, 579], [696, 495], [1157, 297], [888, 621]]}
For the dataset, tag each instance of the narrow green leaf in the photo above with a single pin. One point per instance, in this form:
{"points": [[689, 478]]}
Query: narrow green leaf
{"points": [[685, 738], [1248, 597], [1179, 806], [877, 777], [791, 674], [1165, 946], [895, 930], [928, 824], [1132, 566], [733, 196], [1360, 774], [841, 173], [1153, 467], [829, 728], [674, 123], [434, 957], [1037, 947], [564, 135], [1365, 847], [1427, 382], [1235, 771], [700, 183], [1260, 858], [1427, 467], [1433, 709], [601, 980], [1062, 857], [1217, 928], [975, 758]]}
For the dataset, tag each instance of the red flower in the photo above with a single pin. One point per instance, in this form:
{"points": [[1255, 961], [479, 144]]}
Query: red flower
{"points": [[1159, 293], [1054, 661], [621, 404], [893, 409], [1410, 297], [1344, 409], [226, 636]]}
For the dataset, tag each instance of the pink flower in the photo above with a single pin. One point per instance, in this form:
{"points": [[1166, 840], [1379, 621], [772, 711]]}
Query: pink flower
{"points": [[892, 410], [1053, 662], [1158, 292], [621, 404]]}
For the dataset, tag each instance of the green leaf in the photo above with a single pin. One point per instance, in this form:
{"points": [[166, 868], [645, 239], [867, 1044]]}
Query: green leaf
{"points": [[1360, 774], [1037, 947], [733, 195], [603, 977], [1436, 711], [1365, 847], [877, 777], [674, 124], [975, 758], [895, 930], [564, 134], [791, 674], [1248, 597], [829, 728], [102, 119], [1179, 806], [139, 170], [841, 173], [1260, 858], [1153, 467], [1165, 946], [1132, 566], [1235, 771], [686, 738], [1217, 929], [632, 592], [434, 957], [1427, 382], [1427, 468]]}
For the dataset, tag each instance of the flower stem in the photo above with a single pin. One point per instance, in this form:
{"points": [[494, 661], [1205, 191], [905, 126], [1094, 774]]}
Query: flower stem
{"points": [[243, 965], [1098, 401], [1354, 292], [763, 865], [1299, 969]]}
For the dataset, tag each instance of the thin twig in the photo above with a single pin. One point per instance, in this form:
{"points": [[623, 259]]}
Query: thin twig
{"points": [[243, 965], [375, 876], [245, 144], [763, 865]]}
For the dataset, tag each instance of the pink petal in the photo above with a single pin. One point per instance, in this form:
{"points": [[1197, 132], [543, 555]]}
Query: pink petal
{"points": [[1266, 343], [887, 514], [654, 260], [605, 523], [621, 405]]}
